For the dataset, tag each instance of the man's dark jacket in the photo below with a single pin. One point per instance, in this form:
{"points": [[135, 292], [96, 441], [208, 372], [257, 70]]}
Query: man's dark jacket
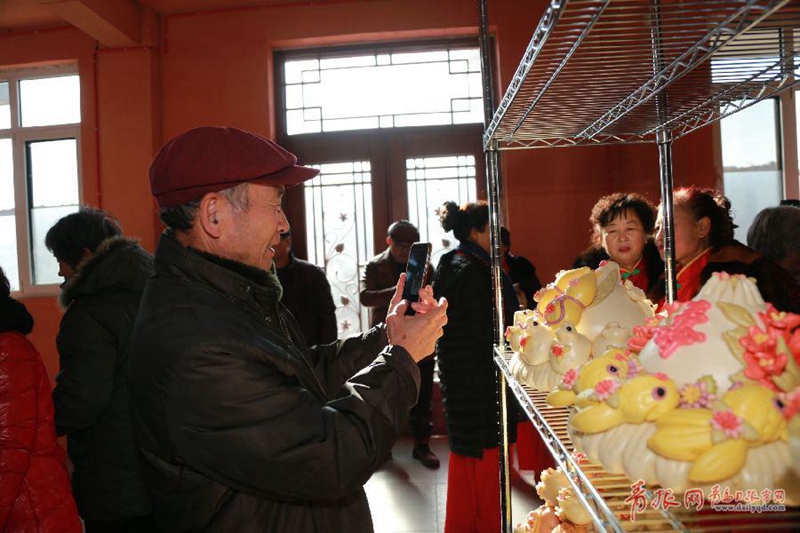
{"points": [[91, 393], [465, 355], [307, 295], [242, 427], [377, 286]]}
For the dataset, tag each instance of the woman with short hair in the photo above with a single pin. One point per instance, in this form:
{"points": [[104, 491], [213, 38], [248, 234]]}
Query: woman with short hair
{"points": [[622, 231], [104, 277]]}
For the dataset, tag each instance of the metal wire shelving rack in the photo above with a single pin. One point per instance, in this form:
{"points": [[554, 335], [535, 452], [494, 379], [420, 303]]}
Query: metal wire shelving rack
{"points": [[607, 72]]}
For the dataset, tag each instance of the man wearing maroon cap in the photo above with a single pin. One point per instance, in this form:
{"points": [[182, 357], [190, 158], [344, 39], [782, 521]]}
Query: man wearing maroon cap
{"points": [[241, 425]]}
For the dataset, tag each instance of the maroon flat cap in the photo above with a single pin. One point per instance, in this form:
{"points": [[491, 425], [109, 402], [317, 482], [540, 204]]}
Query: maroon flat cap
{"points": [[211, 158]]}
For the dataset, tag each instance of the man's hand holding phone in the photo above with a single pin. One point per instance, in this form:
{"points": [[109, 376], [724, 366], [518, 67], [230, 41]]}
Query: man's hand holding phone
{"points": [[418, 333]]}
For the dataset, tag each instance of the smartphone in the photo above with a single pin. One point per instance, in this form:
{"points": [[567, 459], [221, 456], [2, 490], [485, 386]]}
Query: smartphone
{"points": [[416, 272]]}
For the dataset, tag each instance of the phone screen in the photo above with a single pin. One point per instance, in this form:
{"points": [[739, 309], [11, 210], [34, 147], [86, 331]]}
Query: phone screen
{"points": [[416, 272]]}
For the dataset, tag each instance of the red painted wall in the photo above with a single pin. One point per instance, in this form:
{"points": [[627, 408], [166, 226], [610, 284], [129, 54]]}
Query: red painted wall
{"points": [[216, 68]]}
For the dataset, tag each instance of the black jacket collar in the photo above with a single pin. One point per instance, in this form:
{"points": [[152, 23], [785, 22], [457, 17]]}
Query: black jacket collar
{"points": [[235, 279]]}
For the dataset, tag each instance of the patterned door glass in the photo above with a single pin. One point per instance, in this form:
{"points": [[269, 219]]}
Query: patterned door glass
{"points": [[431, 182], [339, 230], [383, 89]]}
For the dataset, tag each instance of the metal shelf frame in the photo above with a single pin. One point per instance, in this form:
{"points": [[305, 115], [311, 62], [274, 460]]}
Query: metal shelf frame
{"points": [[634, 71]]}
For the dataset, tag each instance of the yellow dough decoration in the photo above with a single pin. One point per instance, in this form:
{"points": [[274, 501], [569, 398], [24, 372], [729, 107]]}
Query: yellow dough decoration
{"points": [[550, 482], [711, 397], [566, 298], [570, 509], [613, 364], [642, 399], [717, 440], [582, 314]]}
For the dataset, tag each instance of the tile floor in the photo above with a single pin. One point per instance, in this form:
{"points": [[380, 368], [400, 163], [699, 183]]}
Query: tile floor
{"points": [[406, 497]]}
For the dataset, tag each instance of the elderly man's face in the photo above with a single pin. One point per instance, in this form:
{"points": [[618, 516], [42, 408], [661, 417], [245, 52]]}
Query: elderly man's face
{"points": [[253, 232]]}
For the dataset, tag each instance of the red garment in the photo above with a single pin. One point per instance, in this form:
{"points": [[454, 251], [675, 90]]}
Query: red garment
{"points": [[532, 453], [637, 275], [473, 493], [689, 279], [35, 492]]}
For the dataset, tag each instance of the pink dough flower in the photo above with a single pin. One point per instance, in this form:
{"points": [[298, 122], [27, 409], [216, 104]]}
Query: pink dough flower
{"points": [[557, 350], [569, 378], [728, 423], [772, 318], [761, 357], [523, 341], [605, 389]]}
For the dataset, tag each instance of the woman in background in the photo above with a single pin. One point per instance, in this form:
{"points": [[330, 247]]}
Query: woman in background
{"points": [[704, 244], [622, 231], [775, 232], [35, 493], [466, 371]]}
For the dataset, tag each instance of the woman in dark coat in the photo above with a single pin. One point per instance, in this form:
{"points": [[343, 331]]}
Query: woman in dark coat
{"points": [[467, 373], [35, 496], [704, 244], [104, 274]]}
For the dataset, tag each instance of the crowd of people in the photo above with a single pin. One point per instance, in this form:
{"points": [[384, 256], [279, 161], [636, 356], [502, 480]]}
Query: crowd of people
{"points": [[204, 388]]}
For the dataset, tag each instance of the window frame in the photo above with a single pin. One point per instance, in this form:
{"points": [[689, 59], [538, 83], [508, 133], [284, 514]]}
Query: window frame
{"points": [[281, 56], [20, 137]]}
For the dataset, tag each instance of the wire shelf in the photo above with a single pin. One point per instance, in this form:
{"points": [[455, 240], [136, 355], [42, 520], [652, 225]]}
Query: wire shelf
{"points": [[604, 493], [617, 71]]}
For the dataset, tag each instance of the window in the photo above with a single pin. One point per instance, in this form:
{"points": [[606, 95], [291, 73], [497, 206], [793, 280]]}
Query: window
{"points": [[751, 161], [385, 88], [760, 143], [39, 170], [432, 181], [396, 130]]}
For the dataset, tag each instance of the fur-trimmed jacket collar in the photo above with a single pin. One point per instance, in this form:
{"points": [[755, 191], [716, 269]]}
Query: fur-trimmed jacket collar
{"points": [[117, 263]]}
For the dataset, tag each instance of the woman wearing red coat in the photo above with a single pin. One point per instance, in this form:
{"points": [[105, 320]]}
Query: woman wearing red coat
{"points": [[35, 493]]}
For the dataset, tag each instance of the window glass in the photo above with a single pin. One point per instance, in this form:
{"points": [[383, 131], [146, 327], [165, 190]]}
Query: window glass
{"points": [[53, 193], [752, 174], [383, 90], [432, 181], [50, 101], [339, 231], [5, 107], [8, 226]]}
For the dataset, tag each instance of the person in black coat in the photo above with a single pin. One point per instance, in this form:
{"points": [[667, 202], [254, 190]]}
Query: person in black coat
{"points": [[104, 275], [520, 270], [243, 427], [377, 286], [467, 372], [306, 294]]}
